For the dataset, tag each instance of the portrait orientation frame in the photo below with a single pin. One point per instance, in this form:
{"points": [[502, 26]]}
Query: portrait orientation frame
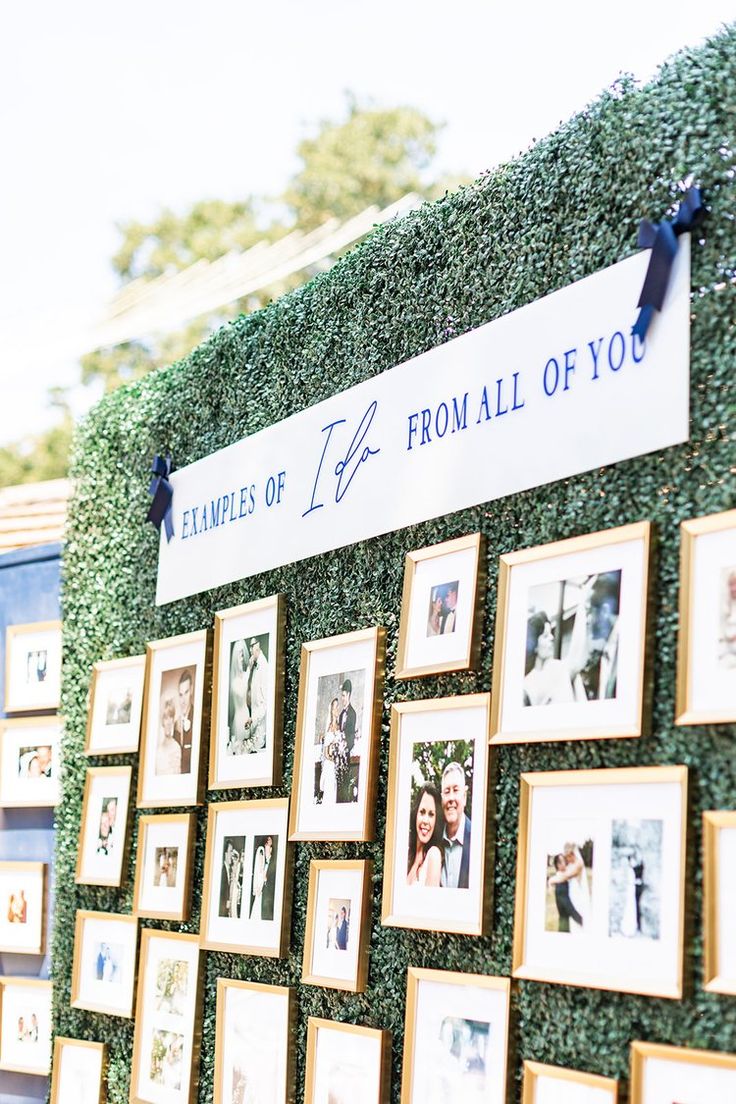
{"points": [[30, 732], [497, 990], [103, 920], [311, 974], [15, 700], [716, 904], [703, 1063], [116, 671], [266, 615], [31, 984], [655, 796], [625, 713], [148, 826], [346, 648], [347, 1032], [704, 542], [98, 1053], [433, 912], [36, 945], [417, 565], [86, 857], [260, 994], [534, 1071]]}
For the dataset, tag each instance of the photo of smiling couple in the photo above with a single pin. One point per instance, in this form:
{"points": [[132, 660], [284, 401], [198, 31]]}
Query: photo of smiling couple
{"points": [[439, 823]]}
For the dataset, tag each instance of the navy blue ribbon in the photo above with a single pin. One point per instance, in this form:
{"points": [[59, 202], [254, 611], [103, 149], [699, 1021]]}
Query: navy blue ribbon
{"points": [[661, 238], [163, 494]]}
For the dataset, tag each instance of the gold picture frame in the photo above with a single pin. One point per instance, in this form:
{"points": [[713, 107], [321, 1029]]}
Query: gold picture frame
{"points": [[148, 825], [714, 981], [87, 857], [83, 994], [532, 960], [114, 670], [62, 1044], [348, 1034], [21, 785], [18, 700], [532, 1071], [286, 995], [316, 964], [467, 654], [366, 647], [36, 872], [578, 713], [690, 643], [641, 1052], [13, 1062]]}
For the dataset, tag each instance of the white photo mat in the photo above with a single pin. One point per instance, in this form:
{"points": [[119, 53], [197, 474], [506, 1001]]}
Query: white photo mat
{"points": [[21, 1000], [104, 964], [163, 892], [454, 567], [253, 1042], [323, 959], [103, 845], [30, 753], [117, 703], [33, 667]]}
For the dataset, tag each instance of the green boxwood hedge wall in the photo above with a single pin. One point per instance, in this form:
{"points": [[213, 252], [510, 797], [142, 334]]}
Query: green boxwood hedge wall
{"points": [[565, 209]]}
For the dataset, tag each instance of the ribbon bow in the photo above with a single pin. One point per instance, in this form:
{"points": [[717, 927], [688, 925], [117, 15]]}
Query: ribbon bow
{"points": [[163, 494], [661, 238]]}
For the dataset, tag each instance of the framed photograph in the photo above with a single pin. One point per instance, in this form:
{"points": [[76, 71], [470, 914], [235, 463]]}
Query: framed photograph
{"points": [[456, 1038], [168, 1020], [30, 749], [115, 706], [600, 880], [338, 730], [338, 924], [175, 714], [434, 873], [248, 695], [25, 1025], [247, 870], [544, 1084], [104, 836], [668, 1074], [442, 608], [719, 901], [32, 667], [78, 1072], [103, 970], [346, 1063], [163, 871], [706, 659], [571, 655], [254, 1050], [23, 907]]}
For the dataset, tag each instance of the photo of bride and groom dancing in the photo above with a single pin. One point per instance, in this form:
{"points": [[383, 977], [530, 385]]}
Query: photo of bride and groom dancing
{"points": [[569, 883]]}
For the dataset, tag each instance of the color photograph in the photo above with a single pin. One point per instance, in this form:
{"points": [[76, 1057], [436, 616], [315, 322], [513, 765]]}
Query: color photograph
{"points": [[104, 831], [254, 1058], [29, 762], [115, 706], [32, 667], [103, 970], [25, 1025], [23, 907], [338, 923], [163, 874]]}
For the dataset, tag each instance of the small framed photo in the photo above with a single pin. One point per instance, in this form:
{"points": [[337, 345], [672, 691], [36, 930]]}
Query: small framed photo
{"points": [[247, 869], [434, 874], [456, 1038], [254, 1051], [163, 872], [103, 838], [103, 970], [442, 607], [346, 1062], [115, 706], [338, 730], [168, 1019], [25, 1025], [719, 900], [248, 695], [600, 881], [32, 667], [571, 652], [706, 659], [338, 924], [78, 1072], [23, 907], [666, 1074], [545, 1084], [29, 762], [175, 714]]}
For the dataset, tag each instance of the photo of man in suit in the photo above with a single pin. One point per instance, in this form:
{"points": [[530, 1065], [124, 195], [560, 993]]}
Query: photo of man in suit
{"points": [[456, 834], [343, 930], [347, 726], [185, 721]]}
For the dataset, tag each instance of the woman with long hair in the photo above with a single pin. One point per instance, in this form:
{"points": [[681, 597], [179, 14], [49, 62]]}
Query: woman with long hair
{"points": [[330, 751], [424, 865]]}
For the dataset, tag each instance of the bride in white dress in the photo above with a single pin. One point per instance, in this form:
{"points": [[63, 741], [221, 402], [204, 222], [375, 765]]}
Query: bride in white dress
{"points": [[576, 875]]}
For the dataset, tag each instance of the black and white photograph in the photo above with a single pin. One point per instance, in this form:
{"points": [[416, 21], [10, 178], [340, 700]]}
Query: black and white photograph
{"points": [[263, 877], [115, 704], [248, 695], [569, 876], [119, 705], [174, 746], [231, 876], [163, 873], [338, 924], [337, 735], [636, 875], [32, 666]]}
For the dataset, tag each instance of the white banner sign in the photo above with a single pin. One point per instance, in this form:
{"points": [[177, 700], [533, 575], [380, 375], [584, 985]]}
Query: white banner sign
{"points": [[556, 388]]}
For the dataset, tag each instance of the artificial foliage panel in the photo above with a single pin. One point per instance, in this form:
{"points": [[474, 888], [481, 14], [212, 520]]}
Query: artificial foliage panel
{"points": [[565, 209]]}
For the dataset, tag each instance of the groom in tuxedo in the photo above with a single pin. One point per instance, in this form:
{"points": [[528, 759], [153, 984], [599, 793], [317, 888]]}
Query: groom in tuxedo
{"points": [[456, 834], [183, 728]]}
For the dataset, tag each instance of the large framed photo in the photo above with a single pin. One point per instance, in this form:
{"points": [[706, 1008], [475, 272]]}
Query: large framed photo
{"points": [[175, 714], [254, 1049], [247, 695], [434, 874], [706, 660], [545, 1084], [346, 1063], [103, 837], [571, 657], [338, 730], [23, 907], [32, 667], [338, 924], [719, 900], [25, 1025], [668, 1074], [78, 1072], [456, 1038], [168, 1019], [29, 762], [246, 902], [115, 706], [103, 970], [441, 608], [600, 881], [163, 872]]}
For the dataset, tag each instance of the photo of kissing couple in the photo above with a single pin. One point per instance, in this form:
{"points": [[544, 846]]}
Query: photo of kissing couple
{"points": [[439, 824]]}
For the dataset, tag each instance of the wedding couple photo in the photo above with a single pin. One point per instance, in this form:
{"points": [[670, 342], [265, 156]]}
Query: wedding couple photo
{"points": [[254, 900], [338, 727], [176, 722], [248, 689], [442, 616], [570, 883], [439, 822]]}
